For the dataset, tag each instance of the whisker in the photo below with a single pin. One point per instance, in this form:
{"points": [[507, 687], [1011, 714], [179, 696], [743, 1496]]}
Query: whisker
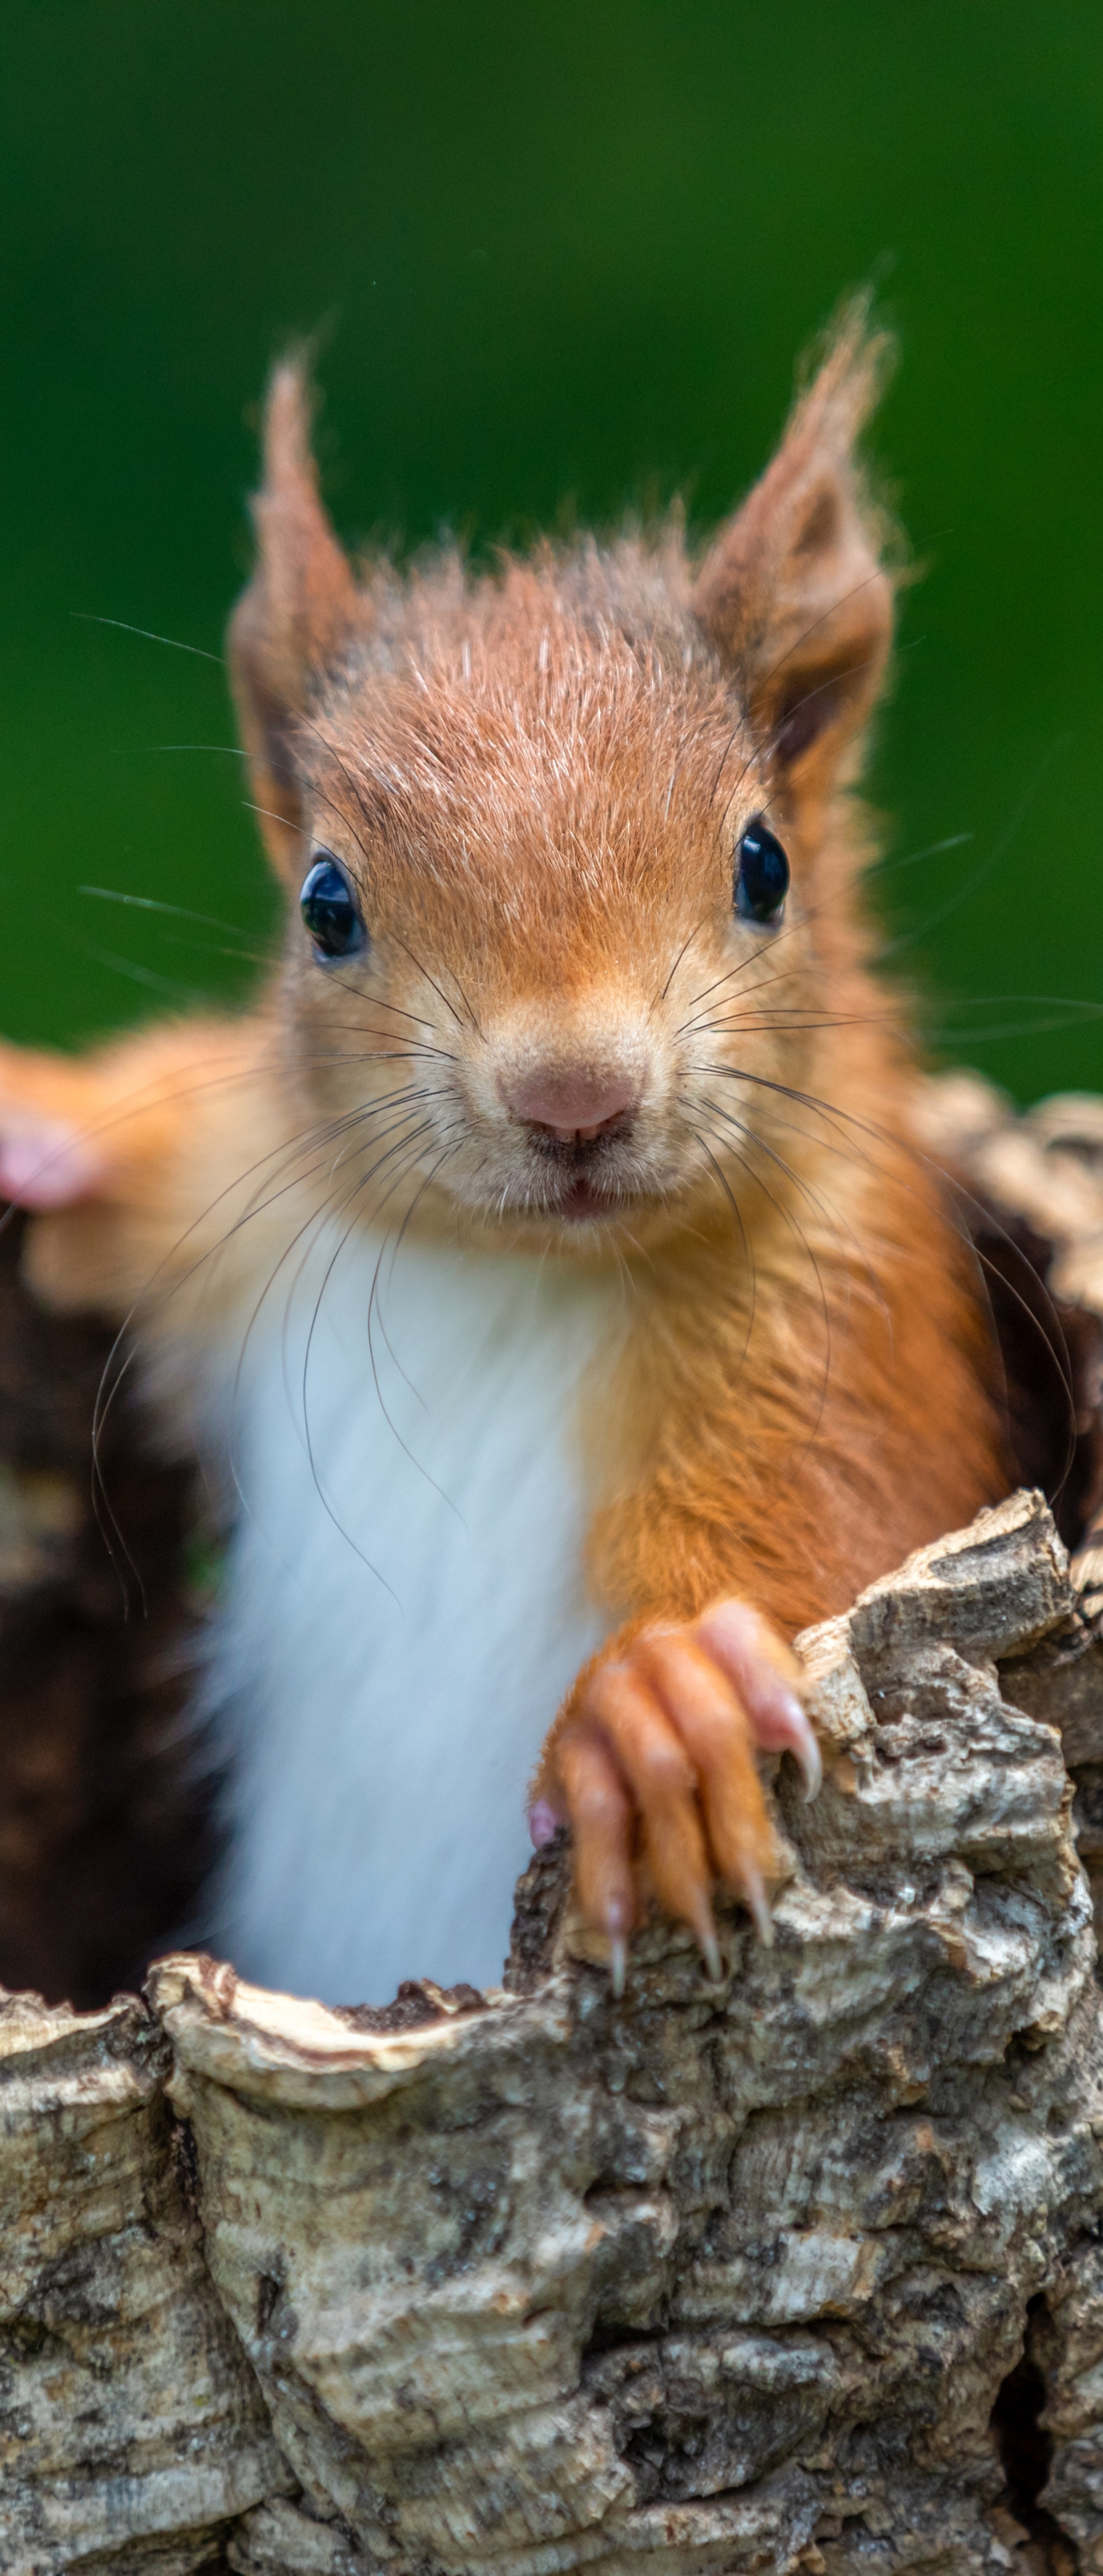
{"points": [[911, 858], [110, 1385], [790, 1219], [745, 1240], [1056, 1349], [375, 1308], [310, 1226], [315, 1218], [404, 1149], [88, 617], [961, 894], [686, 943], [137, 974], [153, 903], [788, 1023], [839, 1226]]}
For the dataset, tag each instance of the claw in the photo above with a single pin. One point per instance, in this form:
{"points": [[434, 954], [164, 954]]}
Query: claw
{"points": [[754, 1898], [768, 1679], [701, 1919], [654, 1767], [803, 1747], [616, 1932]]}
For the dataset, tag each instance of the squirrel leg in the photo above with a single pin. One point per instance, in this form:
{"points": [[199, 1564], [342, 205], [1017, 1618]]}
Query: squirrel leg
{"points": [[652, 1764]]}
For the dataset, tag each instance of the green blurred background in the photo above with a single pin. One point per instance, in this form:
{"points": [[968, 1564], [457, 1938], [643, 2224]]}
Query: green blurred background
{"points": [[563, 258]]}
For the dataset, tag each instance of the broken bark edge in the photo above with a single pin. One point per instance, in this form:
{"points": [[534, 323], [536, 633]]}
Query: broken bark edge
{"points": [[718, 2275], [804, 2270]]}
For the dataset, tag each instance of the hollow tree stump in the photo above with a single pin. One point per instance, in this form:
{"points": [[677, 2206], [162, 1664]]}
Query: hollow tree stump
{"points": [[801, 2270]]}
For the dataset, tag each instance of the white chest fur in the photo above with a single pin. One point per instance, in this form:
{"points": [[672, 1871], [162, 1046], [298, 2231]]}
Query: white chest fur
{"points": [[405, 1609]]}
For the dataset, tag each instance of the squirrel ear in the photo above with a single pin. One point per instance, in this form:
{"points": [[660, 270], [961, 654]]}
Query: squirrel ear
{"points": [[301, 605], [793, 591]]}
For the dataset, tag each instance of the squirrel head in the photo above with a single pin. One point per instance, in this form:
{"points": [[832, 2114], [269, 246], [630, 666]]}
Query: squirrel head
{"points": [[567, 845]]}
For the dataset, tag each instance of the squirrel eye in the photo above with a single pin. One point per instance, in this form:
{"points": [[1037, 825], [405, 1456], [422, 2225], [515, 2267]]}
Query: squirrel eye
{"points": [[330, 911], [761, 873]]}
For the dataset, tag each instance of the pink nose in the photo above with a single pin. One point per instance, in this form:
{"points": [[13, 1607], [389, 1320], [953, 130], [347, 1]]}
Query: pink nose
{"points": [[572, 1103]]}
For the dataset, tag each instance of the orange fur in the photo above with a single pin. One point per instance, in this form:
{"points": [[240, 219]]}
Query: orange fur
{"points": [[536, 784]]}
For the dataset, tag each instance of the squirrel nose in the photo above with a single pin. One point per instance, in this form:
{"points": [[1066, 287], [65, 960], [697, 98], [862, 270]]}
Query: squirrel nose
{"points": [[573, 1104]]}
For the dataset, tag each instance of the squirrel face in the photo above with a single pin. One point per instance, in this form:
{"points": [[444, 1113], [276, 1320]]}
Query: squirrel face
{"points": [[542, 948], [544, 959]]}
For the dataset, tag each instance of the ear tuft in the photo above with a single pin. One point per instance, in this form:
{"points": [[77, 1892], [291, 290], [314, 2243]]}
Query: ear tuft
{"points": [[794, 592], [300, 607]]}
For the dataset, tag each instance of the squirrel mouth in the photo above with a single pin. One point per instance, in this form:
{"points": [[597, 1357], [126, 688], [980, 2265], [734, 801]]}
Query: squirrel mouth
{"points": [[583, 1201], [581, 1191]]}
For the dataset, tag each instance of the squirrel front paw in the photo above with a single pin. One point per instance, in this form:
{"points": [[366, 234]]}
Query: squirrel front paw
{"points": [[652, 1766], [46, 1163], [48, 1157]]}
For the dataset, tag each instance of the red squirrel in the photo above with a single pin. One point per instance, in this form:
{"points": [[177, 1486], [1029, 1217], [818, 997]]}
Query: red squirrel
{"points": [[542, 1260]]}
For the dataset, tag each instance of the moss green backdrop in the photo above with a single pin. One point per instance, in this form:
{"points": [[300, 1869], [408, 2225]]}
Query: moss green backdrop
{"points": [[562, 258]]}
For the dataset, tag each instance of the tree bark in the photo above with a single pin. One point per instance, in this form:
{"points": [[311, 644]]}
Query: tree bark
{"points": [[800, 2270]]}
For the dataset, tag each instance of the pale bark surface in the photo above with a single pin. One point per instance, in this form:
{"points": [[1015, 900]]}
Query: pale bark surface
{"points": [[725, 2276]]}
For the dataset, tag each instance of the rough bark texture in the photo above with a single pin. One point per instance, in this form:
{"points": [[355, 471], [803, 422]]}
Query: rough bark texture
{"points": [[804, 2269]]}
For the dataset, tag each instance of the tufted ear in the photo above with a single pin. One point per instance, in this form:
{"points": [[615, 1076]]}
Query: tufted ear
{"points": [[301, 606], [793, 591]]}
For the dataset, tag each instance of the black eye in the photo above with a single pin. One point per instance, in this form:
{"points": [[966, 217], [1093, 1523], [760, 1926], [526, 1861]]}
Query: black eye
{"points": [[329, 910], [761, 873]]}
